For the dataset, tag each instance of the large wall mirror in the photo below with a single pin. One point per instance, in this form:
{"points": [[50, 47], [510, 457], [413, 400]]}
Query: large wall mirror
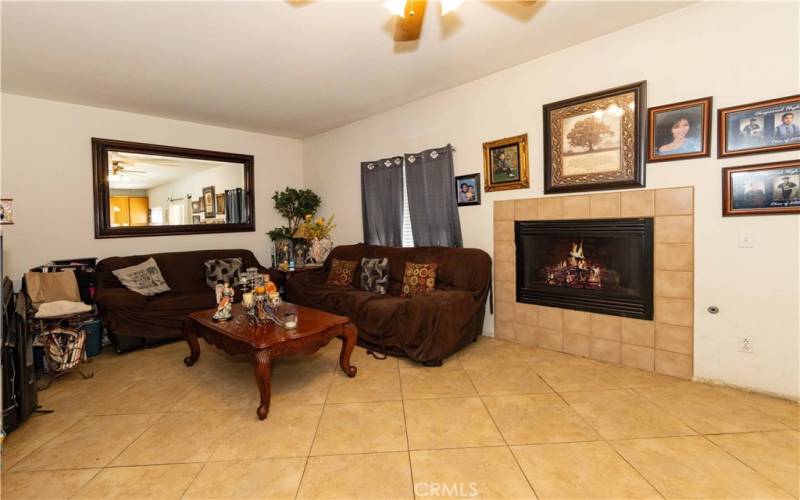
{"points": [[151, 190]]}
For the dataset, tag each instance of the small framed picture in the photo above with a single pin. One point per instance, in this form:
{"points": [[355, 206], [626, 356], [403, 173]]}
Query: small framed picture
{"points": [[596, 141], [760, 127], [505, 163], [6, 211], [197, 206], [209, 202], [766, 189], [196, 219], [680, 131], [468, 190], [221, 203]]}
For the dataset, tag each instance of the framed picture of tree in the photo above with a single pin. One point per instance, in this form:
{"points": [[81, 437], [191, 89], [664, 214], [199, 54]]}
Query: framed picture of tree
{"points": [[596, 141]]}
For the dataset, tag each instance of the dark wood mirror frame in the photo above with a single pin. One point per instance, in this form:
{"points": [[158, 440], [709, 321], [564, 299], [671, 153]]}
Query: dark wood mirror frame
{"points": [[102, 222]]}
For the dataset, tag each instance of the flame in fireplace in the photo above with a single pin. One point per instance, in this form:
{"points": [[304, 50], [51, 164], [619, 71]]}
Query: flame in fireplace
{"points": [[576, 271]]}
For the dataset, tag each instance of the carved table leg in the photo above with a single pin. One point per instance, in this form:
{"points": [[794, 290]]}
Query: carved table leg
{"points": [[263, 380], [349, 336], [194, 347]]}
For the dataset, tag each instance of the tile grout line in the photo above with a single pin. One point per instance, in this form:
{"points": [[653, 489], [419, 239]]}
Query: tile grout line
{"points": [[408, 439]]}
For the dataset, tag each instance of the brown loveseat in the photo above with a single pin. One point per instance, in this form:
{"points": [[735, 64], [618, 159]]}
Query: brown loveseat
{"points": [[134, 320], [425, 328]]}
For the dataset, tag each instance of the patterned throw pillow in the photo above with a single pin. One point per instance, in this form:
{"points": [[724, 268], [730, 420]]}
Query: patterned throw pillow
{"points": [[375, 275], [342, 272], [419, 279], [144, 278], [222, 270]]}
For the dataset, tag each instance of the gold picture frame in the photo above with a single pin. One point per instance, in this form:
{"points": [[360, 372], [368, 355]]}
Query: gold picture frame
{"points": [[505, 163]]}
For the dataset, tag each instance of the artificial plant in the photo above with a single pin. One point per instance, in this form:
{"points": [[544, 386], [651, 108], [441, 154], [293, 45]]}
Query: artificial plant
{"points": [[294, 205]]}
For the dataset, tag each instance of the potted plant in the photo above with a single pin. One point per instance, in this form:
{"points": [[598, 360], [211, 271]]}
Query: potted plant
{"points": [[293, 204]]}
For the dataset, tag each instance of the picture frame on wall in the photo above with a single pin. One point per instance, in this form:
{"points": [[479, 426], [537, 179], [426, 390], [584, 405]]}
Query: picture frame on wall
{"points": [[197, 206], [220, 203], [209, 202], [765, 189], [759, 127], [596, 141], [679, 131], [505, 163], [196, 219], [6, 211], [468, 189]]}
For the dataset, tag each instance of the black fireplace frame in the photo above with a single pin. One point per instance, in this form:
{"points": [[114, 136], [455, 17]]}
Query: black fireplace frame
{"points": [[640, 307]]}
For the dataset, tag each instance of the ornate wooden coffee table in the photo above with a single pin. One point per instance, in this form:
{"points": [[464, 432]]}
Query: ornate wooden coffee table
{"points": [[315, 329]]}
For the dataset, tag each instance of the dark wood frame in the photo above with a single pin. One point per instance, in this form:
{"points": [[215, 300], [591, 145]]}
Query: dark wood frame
{"points": [[477, 178], [727, 193], [4, 222], [524, 172], [639, 90], [102, 223], [722, 128], [707, 104], [210, 212]]}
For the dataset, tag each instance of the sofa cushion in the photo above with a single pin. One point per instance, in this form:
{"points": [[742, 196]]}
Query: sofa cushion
{"points": [[182, 301], [144, 278], [375, 275], [419, 279], [226, 270], [342, 273]]}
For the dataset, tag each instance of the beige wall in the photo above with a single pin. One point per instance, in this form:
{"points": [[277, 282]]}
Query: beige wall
{"points": [[694, 52], [47, 169], [665, 344]]}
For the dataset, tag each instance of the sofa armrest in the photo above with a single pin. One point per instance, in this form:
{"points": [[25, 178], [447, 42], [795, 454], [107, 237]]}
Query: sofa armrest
{"points": [[119, 298]]}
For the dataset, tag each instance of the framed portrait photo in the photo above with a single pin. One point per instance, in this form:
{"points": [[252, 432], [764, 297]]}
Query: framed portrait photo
{"points": [[767, 189], [759, 127], [679, 131], [209, 202], [468, 189], [595, 141], [505, 163]]}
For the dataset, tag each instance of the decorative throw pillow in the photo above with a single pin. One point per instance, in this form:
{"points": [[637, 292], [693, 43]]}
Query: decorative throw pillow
{"points": [[419, 279], [144, 278], [342, 272], [375, 275], [222, 270]]}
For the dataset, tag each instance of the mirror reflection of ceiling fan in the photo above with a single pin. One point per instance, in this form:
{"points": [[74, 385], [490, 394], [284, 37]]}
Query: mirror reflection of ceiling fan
{"points": [[411, 13], [120, 165]]}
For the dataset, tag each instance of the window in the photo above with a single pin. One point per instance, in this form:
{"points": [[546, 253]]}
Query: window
{"points": [[408, 236]]}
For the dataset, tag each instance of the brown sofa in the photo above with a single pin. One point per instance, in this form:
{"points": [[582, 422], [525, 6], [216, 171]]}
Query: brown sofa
{"points": [[425, 328], [134, 320]]}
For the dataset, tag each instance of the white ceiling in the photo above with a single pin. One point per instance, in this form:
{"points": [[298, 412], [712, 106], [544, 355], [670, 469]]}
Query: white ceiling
{"points": [[287, 68], [142, 171]]}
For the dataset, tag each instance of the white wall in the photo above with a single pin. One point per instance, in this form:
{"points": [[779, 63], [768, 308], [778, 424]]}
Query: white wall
{"points": [[47, 169], [728, 50], [222, 178]]}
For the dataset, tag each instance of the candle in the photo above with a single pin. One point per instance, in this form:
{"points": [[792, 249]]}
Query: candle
{"points": [[247, 299]]}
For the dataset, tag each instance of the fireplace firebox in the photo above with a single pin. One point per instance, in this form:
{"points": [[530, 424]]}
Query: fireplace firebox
{"points": [[597, 265]]}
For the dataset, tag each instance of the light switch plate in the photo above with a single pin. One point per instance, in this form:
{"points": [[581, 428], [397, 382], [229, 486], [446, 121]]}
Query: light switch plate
{"points": [[746, 239]]}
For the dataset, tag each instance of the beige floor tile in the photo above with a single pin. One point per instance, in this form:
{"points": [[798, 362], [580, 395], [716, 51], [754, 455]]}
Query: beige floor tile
{"points": [[287, 432], [369, 384], [538, 418], [580, 470], [364, 361], [502, 379], [371, 476], [535, 355], [148, 396], [774, 455], [624, 414], [435, 383], [49, 485], [154, 481], [710, 410], [488, 353], [274, 478], [326, 359], [92, 442], [33, 433], [451, 363], [84, 396], [211, 394], [304, 388], [785, 412], [360, 428], [449, 423], [577, 374], [178, 438], [469, 472], [692, 467]]}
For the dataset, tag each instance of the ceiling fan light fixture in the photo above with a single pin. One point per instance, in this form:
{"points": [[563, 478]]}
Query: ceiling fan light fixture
{"points": [[449, 6], [395, 7]]}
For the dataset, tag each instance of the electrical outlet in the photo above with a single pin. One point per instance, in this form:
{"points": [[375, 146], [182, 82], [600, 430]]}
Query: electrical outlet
{"points": [[746, 345]]}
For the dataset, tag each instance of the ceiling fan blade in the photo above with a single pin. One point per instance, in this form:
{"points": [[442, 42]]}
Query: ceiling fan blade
{"points": [[409, 27]]}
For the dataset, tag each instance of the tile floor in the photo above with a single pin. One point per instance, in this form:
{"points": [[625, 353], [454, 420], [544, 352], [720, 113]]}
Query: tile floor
{"points": [[498, 420]]}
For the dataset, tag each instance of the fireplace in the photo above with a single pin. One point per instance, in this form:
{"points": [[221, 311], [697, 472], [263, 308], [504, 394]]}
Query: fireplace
{"points": [[600, 265]]}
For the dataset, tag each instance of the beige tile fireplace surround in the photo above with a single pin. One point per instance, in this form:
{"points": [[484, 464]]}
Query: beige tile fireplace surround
{"points": [[664, 345]]}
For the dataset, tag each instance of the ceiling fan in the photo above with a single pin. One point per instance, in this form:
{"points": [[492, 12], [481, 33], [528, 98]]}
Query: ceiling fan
{"points": [[411, 13], [118, 169]]}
